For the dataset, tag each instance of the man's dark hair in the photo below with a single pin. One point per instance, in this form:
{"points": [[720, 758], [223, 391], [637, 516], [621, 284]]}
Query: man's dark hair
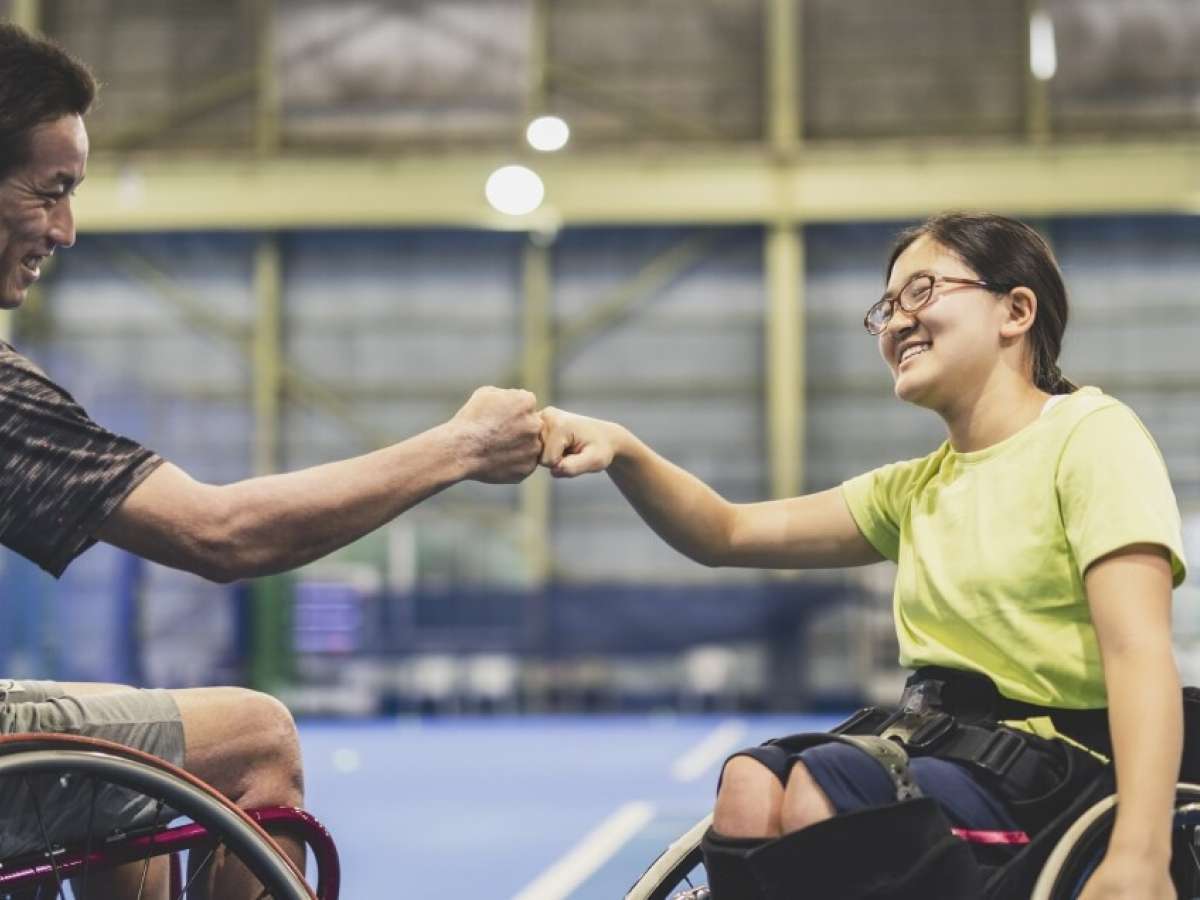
{"points": [[1009, 253], [39, 82]]}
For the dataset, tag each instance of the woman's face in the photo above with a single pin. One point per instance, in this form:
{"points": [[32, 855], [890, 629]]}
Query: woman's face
{"points": [[950, 345]]}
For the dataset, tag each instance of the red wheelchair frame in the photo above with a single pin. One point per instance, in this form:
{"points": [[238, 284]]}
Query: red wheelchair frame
{"points": [[33, 870]]}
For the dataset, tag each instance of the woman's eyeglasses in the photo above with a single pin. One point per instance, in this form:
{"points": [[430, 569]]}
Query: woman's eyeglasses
{"points": [[915, 293]]}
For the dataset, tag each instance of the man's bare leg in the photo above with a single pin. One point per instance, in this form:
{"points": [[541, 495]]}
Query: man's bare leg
{"points": [[136, 880], [245, 745]]}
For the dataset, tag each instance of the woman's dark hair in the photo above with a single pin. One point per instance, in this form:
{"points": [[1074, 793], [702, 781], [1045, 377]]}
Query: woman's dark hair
{"points": [[39, 82], [1010, 254]]}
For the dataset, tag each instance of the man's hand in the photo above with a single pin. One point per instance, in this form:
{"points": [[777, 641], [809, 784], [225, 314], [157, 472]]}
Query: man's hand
{"points": [[501, 434], [574, 445]]}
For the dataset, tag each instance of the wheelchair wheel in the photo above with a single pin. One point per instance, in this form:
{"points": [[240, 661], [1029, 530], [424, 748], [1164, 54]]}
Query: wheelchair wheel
{"points": [[36, 769], [674, 870], [1080, 850]]}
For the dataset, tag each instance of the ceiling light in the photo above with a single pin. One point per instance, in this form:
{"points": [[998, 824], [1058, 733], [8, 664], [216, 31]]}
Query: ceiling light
{"points": [[547, 133], [514, 190], [1043, 56]]}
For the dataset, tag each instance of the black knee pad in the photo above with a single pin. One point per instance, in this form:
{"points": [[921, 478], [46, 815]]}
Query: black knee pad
{"points": [[727, 866], [904, 851]]}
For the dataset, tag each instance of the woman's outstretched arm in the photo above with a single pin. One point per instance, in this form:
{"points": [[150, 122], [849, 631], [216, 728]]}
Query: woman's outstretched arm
{"points": [[813, 531]]}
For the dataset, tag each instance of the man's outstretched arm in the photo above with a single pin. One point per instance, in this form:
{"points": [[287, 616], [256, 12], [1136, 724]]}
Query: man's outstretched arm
{"points": [[277, 522]]}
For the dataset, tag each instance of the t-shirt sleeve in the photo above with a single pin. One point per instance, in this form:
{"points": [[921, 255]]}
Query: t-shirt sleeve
{"points": [[61, 474], [1114, 490], [878, 500]]}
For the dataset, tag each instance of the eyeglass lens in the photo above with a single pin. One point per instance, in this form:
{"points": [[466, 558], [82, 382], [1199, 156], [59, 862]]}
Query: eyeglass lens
{"points": [[912, 297]]}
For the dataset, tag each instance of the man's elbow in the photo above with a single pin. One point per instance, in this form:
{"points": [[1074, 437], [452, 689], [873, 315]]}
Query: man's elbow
{"points": [[218, 572], [220, 549]]}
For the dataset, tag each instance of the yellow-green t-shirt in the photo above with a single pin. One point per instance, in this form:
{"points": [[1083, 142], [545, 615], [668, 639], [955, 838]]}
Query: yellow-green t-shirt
{"points": [[992, 545]]}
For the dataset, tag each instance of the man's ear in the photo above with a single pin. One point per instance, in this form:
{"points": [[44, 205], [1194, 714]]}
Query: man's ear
{"points": [[1021, 304]]}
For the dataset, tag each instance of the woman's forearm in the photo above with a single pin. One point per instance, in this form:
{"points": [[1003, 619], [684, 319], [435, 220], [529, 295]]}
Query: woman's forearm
{"points": [[1146, 719], [682, 509]]}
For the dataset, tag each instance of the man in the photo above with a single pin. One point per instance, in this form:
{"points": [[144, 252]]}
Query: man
{"points": [[66, 482]]}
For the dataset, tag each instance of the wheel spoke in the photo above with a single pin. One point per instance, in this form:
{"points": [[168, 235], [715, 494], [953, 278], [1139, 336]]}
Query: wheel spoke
{"points": [[1191, 845], [87, 847], [158, 808], [37, 810], [197, 870]]}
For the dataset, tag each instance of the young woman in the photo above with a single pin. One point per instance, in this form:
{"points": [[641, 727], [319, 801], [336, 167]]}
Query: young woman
{"points": [[1037, 547]]}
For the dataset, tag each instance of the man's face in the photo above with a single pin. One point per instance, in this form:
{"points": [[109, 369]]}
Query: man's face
{"points": [[35, 205]]}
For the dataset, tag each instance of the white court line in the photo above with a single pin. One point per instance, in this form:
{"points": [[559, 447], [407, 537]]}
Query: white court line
{"points": [[719, 743], [596, 848]]}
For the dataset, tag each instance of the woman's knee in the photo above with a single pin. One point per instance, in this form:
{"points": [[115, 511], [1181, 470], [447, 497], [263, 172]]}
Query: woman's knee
{"points": [[804, 802], [748, 799]]}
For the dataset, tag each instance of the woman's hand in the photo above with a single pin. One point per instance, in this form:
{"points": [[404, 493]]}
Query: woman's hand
{"points": [[574, 445], [1129, 876]]}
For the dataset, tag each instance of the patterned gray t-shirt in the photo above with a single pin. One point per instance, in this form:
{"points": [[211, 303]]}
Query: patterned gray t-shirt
{"points": [[61, 474]]}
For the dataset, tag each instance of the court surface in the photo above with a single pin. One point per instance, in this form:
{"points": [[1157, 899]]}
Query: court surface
{"points": [[527, 808]]}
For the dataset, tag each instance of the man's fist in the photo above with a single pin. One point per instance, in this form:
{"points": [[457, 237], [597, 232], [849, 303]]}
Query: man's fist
{"points": [[501, 433]]}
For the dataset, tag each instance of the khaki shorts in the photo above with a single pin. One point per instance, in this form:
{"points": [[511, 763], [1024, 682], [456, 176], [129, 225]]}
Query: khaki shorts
{"points": [[146, 720]]}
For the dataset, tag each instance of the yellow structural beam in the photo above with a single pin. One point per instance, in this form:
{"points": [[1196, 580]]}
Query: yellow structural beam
{"points": [[823, 184]]}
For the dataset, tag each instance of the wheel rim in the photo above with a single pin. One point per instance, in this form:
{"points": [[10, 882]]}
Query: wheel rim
{"points": [[165, 791]]}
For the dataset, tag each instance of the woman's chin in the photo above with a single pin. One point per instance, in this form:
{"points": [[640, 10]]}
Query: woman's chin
{"points": [[911, 390]]}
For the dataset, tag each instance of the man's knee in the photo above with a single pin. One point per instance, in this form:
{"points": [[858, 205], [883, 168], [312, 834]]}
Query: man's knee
{"points": [[244, 743], [280, 740]]}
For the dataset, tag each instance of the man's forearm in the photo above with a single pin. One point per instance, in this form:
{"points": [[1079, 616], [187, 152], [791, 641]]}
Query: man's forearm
{"points": [[1146, 718], [264, 525], [277, 522]]}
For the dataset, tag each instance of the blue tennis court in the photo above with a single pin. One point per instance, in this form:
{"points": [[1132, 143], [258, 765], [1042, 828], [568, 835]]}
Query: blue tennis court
{"points": [[533, 808]]}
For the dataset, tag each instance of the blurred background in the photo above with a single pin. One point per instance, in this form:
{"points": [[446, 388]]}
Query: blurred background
{"points": [[293, 249]]}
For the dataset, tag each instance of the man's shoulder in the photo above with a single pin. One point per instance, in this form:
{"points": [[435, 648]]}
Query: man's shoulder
{"points": [[22, 382], [16, 362]]}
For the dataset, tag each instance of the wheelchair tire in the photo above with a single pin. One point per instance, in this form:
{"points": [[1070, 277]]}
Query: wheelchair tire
{"points": [[669, 872], [1083, 845], [66, 757]]}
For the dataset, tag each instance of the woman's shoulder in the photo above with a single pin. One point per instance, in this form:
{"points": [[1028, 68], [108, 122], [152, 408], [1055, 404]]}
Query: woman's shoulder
{"points": [[1091, 405], [1097, 426]]}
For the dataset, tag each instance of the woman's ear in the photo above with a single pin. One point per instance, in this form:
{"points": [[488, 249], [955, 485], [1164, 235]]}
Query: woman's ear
{"points": [[1021, 306]]}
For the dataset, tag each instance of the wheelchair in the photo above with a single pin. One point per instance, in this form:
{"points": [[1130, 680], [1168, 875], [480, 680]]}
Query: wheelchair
{"points": [[192, 824], [1063, 858]]}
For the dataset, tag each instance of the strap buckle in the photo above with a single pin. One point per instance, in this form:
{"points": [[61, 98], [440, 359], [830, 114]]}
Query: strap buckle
{"points": [[864, 721], [919, 731], [1003, 748]]}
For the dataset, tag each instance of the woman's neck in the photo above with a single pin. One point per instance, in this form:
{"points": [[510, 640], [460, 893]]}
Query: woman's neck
{"points": [[998, 411]]}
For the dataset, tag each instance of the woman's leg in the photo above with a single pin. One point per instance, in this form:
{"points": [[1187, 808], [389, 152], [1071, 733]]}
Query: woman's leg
{"points": [[804, 803], [749, 800]]}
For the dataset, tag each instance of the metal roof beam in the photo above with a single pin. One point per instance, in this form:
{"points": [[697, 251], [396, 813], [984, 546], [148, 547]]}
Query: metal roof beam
{"points": [[679, 187]]}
